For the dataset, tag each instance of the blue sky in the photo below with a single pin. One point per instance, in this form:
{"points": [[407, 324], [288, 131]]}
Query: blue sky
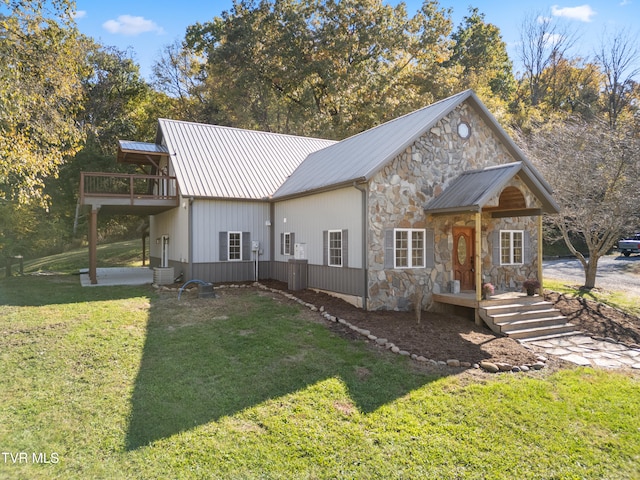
{"points": [[144, 27]]}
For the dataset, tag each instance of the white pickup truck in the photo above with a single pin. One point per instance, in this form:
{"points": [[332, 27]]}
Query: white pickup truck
{"points": [[630, 245]]}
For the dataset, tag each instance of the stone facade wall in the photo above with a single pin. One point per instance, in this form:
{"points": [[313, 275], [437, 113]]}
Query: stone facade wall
{"points": [[399, 192]]}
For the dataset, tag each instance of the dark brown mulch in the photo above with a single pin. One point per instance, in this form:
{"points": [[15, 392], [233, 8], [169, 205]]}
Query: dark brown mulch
{"points": [[437, 337], [598, 319], [444, 336]]}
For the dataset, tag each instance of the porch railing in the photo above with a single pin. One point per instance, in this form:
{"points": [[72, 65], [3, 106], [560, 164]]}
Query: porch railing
{"points": [[122, 185]]}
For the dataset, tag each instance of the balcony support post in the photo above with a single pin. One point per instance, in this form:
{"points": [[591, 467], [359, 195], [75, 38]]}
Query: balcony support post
{"points": [[93, 245]]}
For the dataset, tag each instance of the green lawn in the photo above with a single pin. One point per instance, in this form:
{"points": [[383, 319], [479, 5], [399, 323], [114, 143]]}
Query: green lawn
{"points": [[125, 382]]}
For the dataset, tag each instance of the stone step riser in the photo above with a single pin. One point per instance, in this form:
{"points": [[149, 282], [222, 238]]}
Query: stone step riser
{"points": [[537, 332], [550, 322], [522, 300], [526, 315], [512, 308]]}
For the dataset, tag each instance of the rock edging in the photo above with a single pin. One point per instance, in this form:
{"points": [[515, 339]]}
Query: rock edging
{"points": [[487, 366]]}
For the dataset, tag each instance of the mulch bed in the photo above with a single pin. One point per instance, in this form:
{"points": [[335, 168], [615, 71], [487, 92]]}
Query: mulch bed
{"points": [[443, 336]]}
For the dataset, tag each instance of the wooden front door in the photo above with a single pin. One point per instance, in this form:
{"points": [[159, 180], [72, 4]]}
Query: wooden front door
{"points": [[463, 257]]}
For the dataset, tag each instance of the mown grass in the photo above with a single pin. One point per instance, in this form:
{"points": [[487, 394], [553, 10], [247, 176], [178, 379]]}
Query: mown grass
{"points": [[124, 382], [624, 301], [127, 253]]}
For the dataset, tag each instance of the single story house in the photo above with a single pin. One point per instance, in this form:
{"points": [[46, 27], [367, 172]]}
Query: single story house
{"points": [[385, 218]]}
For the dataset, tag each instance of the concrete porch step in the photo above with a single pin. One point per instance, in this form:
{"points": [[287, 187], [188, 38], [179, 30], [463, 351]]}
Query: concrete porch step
{"points": [[536, 322], [513, 306], [528, 333], [524, 317], [519, 315]]}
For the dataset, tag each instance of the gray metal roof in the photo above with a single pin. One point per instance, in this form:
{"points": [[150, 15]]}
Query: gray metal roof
{"points": [[224, 162], [360, 157], [473, 189]]}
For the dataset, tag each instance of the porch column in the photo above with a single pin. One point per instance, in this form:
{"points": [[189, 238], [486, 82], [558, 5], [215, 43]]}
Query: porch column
{"points": [[478, 264], [540, 252], [93, 244]]}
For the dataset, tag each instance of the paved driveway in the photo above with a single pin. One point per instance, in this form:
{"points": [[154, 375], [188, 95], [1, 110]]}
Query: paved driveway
{"points": [[614, 272]]}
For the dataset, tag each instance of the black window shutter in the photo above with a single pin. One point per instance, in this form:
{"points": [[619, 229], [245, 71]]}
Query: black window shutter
{"points": [[282, 244], [496, 247], [292, 243], [246, 245], [345, 248], [389, 260], [325, 247], [224, 246], [430, 248]]}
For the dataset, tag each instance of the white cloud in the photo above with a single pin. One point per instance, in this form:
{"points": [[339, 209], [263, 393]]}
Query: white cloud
{"points": [[80, 14], [624, 3], [131, 26], [551, 39], [582, 13]]}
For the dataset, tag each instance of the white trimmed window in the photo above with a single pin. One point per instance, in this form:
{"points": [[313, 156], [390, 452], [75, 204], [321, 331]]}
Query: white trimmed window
{"points": [[335, 248], [511, 247], [409, 247], [234, 245], [286, 244]]}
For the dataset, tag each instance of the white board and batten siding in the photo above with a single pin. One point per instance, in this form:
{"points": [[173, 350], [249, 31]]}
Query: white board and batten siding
{"points": [[211, 220], [339, 210], [309, 219], [175, 224]]}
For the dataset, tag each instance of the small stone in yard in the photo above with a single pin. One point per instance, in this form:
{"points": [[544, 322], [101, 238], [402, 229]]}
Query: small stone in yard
{"points": [[465, 364], [524, 368], [364, 332], [420, 358], [372, 337], [538, 366], [489, 367], [414, 356], [504, 367], [395, 349], [452, 362], [515, 369], [404, 353], [541, 358], [381, 341]]}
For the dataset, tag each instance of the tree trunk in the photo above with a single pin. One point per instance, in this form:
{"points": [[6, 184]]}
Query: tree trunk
{"points": [[590, 271]]}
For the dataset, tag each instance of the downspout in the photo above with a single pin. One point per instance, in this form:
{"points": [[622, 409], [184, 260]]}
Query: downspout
{"points": [[365, 241], [272, 237], [190, 242]]}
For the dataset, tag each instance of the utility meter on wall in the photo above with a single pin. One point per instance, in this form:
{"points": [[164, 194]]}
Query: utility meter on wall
{"points": [[255, 245]]}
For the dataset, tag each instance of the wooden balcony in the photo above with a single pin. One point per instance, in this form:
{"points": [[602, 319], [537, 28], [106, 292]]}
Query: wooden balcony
{"points": [[127, 193]]}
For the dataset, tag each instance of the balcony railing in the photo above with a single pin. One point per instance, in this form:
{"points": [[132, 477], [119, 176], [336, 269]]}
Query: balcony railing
{"points": [[138, 189]]}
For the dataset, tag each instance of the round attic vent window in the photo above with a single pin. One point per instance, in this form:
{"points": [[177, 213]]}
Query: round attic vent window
{"points": [[464, 130]]}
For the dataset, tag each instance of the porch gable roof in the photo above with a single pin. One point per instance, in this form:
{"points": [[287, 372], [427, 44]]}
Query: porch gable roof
{"points": [[472, 190]]}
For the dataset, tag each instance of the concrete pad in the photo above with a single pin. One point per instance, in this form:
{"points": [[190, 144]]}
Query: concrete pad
{"points": [[119, 276], [577, 359]]}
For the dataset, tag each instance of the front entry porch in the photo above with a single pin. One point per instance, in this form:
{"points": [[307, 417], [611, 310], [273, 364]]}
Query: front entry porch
{"points": [[513, 314]]}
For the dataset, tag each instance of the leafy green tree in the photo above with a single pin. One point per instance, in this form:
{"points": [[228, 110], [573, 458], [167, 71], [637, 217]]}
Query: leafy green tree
{"points": [[482, 55], [329, 68], [40, 94]]}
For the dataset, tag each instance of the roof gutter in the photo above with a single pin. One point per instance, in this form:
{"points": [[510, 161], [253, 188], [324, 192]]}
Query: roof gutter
{"points": [[326, 188]]}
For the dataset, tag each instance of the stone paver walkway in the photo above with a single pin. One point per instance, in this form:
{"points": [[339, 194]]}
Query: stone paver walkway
{"points": [[586, 351]]}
